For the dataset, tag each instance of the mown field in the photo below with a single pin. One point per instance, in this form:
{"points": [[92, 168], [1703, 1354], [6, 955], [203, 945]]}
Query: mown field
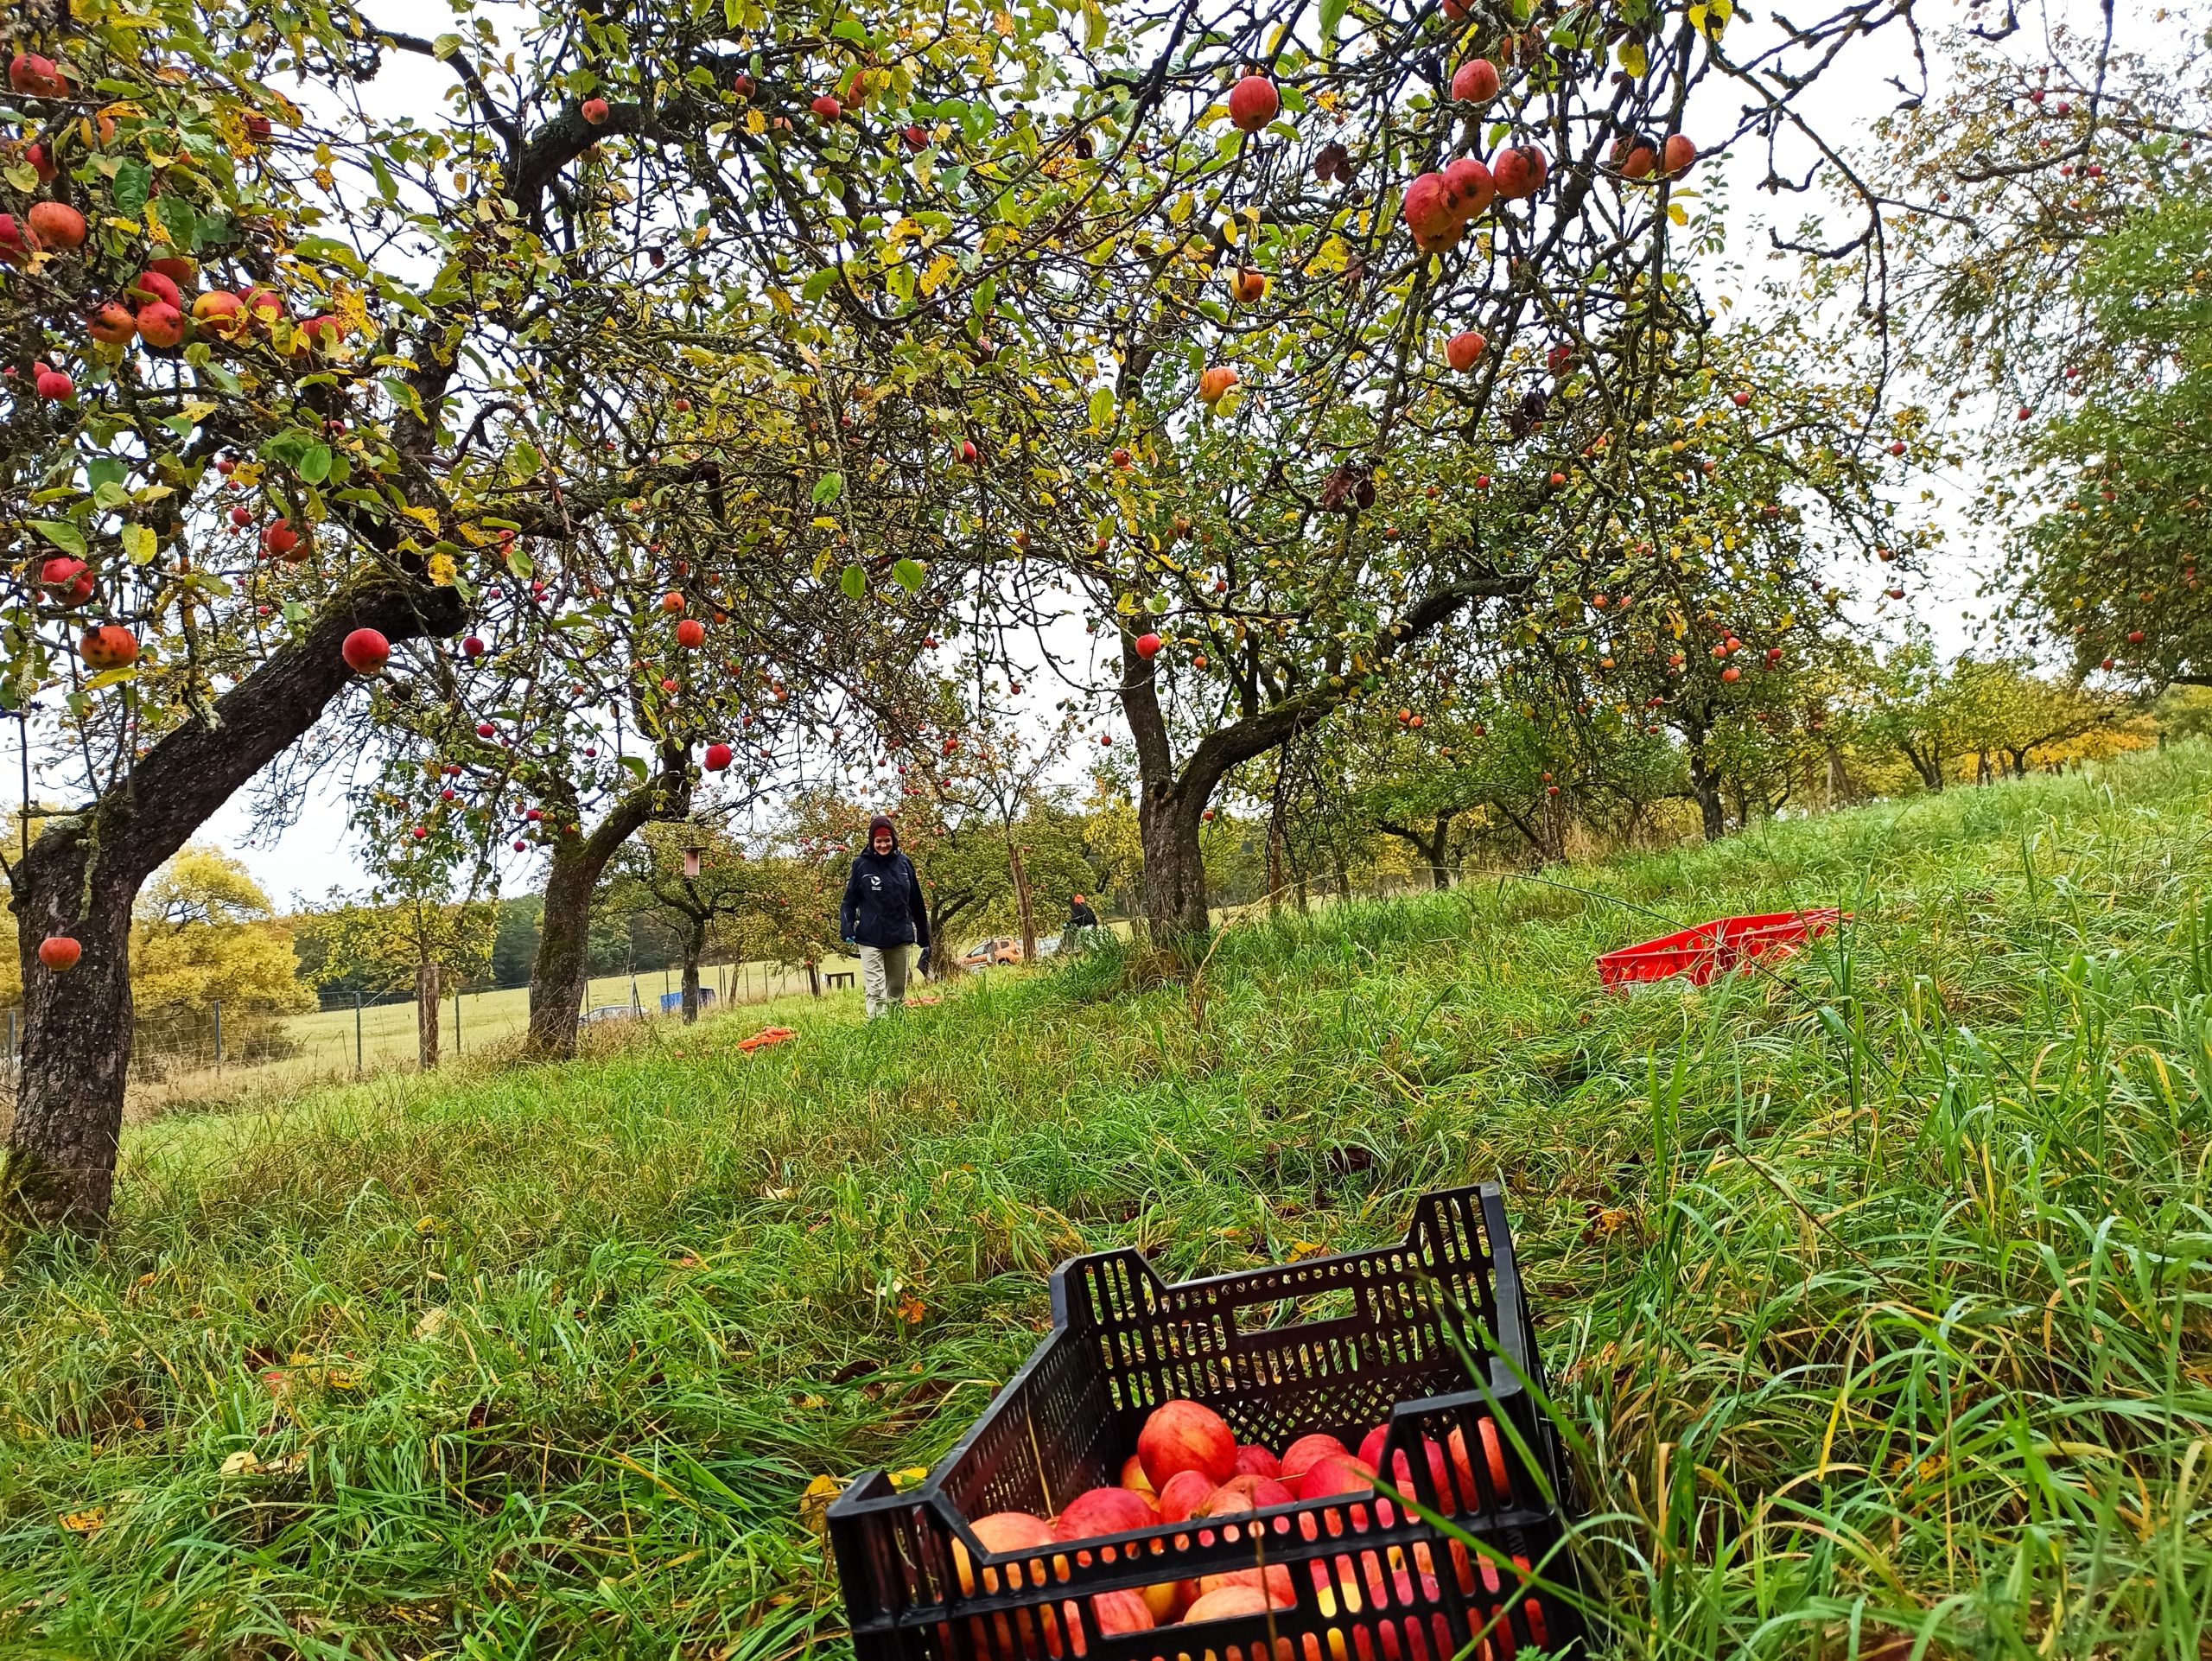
{"points": [[1875, 1292], [330, 1045]]}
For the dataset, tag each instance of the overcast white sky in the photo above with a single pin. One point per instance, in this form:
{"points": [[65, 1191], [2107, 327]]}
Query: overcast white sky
{"points": [[306, 859]]}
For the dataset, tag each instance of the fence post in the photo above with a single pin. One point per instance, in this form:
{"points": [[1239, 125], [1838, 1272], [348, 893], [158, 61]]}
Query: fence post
{"points": [[357, 1034], [219, 1034], [456, 1021]]}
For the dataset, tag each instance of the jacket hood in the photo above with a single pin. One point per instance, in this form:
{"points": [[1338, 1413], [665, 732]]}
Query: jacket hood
{"points": [[883, 822]]}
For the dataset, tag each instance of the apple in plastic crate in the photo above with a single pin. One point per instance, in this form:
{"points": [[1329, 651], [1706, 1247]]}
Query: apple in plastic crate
{"points": [[1305, 1453], [1181, 1435], [1184, 1493], [1252, 1459], [1226, 1601], [1370, 1455]]}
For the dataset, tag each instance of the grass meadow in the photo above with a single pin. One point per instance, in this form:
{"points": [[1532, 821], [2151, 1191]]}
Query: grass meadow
{"points": [[1874, 1291]]}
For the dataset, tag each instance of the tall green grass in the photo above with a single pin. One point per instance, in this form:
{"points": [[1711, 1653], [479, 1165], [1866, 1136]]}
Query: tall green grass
{"points": [[1873, 1291]]}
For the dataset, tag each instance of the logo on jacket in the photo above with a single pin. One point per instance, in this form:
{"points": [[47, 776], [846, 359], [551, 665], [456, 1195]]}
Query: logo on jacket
{"points": [[875, 881]]}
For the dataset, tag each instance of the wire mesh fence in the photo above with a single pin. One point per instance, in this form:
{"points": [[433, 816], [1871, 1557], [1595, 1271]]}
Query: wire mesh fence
{"points": [[182, 1054]]}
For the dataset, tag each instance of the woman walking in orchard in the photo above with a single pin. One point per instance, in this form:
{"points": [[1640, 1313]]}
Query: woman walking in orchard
{"points": [[885, 916]]}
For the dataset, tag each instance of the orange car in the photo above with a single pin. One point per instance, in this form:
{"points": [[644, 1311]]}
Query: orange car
{"points": [[990, 951]]}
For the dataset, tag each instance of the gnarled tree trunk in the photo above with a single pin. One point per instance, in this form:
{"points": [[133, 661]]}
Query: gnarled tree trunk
{"points": [[560, 971], [1705, 785], [82, 876], [1170, 800], [693, 945], [1433, 846]]}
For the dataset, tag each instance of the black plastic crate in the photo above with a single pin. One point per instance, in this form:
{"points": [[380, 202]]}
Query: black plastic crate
{"points": [[1328, 1344]]}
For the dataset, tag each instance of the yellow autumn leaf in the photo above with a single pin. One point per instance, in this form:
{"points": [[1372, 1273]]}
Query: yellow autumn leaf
{"points": [[83, 1522], [814, 1502], [1632, 59], [241, 1463]]}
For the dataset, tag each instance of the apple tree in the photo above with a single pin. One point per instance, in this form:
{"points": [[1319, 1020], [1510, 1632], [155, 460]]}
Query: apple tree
{"points": [[1359, 328]]}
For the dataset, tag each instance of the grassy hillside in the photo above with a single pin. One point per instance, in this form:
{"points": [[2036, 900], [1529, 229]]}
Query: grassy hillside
{"points": [[1876, 1291]]}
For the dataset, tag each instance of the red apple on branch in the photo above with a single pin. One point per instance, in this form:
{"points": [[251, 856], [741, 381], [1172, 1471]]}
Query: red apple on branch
{"points": [[365, 651], [57, 225], [1253, 103]]}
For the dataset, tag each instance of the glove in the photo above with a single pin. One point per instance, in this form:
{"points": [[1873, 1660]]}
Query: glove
{"points": [[850, 941]]}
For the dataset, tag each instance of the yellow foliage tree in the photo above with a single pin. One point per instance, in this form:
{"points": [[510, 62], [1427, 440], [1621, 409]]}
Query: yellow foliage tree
{"points": [[204, 933]]}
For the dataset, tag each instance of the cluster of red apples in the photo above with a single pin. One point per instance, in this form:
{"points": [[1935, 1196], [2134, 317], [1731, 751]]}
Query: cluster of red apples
{"points": [[1190, 1467]]}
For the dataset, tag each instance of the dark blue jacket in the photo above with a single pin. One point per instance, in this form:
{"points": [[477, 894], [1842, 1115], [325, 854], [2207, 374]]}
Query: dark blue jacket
{"points": [[883, 902]]}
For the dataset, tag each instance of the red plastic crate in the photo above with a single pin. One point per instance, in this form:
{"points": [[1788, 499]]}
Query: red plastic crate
{"points": [[1338, 1344], [1711, 948]]}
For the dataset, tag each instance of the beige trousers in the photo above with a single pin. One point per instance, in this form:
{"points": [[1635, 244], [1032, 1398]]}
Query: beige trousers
{"points": [[883, 976]]}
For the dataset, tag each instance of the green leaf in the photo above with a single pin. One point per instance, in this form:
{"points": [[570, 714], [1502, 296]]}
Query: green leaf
{"points": [[1102, 407], [105, 470], [178, 219], [325, 248], [314, 465], [140, 545], [444, 46], [224, 378], [518, 563], [132, 181], [819, 284], [286, 448], [62, 534], [829, 487], [853, 582], [908, 574], [110, 496], [1332, 13]]}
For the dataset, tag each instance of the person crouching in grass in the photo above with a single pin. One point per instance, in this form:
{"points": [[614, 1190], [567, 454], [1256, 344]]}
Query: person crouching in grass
{"points": [[885, 916]]}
